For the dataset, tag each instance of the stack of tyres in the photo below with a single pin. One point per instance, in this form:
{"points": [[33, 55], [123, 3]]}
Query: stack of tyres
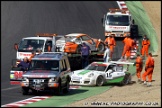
{"points": [[134, 31]]}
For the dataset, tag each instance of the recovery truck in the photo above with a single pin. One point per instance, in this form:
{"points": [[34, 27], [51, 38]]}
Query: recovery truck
{"points": [[119, 23], [46, 42]]}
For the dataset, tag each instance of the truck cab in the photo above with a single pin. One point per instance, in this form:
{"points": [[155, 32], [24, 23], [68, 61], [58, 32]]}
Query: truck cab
{"points": [[117, 22], [45, 42]]}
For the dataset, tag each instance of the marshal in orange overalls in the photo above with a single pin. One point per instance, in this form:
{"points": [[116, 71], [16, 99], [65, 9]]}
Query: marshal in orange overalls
{"points": [[111, 43], [145, 46], [139, 65], [128, 44], [148, 68]]}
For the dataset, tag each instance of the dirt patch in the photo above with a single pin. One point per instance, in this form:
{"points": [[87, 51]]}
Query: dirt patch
{"points": [[135, 94]]}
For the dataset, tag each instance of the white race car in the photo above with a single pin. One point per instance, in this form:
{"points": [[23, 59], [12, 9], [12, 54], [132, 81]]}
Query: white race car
{"points": [[100, 73]]}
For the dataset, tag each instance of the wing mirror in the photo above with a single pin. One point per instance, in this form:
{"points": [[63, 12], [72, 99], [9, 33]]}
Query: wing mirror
{"points": [[16, 46]]}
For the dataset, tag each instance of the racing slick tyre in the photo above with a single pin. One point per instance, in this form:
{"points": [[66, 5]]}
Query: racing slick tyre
{"points": [[25, 90], [101, 47], [126, 80], [99, 81]]}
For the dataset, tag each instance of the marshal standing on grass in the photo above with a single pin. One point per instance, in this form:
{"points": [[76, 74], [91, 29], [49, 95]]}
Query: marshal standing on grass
{"points": [[85, 52]]}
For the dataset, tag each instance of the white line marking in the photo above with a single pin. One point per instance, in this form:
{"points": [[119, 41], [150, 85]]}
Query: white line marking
{"points": [[10, 88]]}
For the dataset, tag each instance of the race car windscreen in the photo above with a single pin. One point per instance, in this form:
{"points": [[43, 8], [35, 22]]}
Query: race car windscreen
{"points": [[70, 39], [118, 20], [29, 45], [96, 67], [52, 65]]}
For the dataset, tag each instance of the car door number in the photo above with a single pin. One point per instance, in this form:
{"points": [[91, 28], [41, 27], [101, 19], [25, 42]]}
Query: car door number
{"points": [[108, 75]]}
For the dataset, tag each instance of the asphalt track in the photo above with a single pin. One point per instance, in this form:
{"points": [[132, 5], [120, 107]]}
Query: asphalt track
{"points": [[26, 18]]}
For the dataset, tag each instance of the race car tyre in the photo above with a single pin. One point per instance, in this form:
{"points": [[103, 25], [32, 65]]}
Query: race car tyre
{"points": [[25, 90], [66, 89], [101, 47], [99, 81], [126, 80]]}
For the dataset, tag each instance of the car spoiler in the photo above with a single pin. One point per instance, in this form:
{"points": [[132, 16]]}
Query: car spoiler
{"points": [[121, 62]]}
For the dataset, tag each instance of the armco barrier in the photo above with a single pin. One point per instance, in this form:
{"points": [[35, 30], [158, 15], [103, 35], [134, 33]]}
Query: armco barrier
{"points": [[144, 24]]}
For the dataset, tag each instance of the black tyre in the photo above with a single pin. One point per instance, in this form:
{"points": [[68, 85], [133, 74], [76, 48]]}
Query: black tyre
{"points": [[101, 47], [58, 90], [126, 80], [25, 90], [99, 81], [66, 89], [134, 30]]}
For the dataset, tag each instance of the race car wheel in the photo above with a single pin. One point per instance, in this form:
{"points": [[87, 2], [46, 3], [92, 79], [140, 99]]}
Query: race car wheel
{"points": [[99, 81], [126, 80], [101, 47], [25, 90]]}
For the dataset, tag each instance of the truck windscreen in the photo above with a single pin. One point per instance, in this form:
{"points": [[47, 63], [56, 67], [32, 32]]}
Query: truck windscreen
{"points": [[52, 65], [118, 20], [29, 45]]}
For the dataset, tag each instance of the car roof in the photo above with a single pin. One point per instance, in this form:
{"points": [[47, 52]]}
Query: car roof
{"points": [[76, 34], [41, 38], [49, 56]]}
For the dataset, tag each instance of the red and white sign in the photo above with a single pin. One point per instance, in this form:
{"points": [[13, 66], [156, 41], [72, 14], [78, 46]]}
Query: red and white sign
{"points": [[117, 27]]}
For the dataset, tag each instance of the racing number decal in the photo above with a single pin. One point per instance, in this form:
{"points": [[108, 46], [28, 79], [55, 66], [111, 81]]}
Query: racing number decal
{"points": [[108, 75], [18, 74]]}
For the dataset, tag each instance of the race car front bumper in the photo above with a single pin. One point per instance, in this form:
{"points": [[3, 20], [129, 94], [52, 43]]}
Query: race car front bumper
{"points": [[83, 81]]}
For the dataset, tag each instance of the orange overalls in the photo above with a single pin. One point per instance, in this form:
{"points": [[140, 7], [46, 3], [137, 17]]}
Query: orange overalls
{"points": [[139, 64], [148, 69], [145, 47], [127, 47], [111, 43], [30, 58]]}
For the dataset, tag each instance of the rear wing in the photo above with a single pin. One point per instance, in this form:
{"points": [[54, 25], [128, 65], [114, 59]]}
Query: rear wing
{"points": [[122, 62]]}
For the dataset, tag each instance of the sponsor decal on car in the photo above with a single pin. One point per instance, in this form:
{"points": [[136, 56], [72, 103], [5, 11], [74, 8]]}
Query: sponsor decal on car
{"points": [[84, 72]]}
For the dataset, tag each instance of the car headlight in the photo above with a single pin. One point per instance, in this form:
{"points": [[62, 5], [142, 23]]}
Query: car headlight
{"points": [[91, 74], [52, 79], [25, 79]]}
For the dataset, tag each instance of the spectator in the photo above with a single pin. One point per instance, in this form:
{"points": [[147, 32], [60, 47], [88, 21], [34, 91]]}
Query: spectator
{"points": [[85, 52], [24, 64]]}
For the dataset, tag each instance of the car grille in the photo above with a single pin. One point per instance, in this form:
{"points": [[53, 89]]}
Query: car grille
{"points": [[42, 82]]}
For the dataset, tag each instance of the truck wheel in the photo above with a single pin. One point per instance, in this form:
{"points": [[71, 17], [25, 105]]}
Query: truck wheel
{"points": [[25, 90], [99, 81], [126, 80], [58, 90], [101, 47]]}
